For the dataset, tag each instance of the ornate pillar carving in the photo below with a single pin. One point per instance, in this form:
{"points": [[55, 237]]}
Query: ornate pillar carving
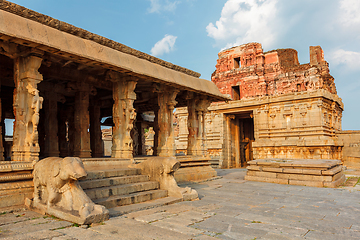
{"points": [[82, 147], [124, 114], [197, 108], [95, 130], [27, 104], [1, 134], [164, 121]]}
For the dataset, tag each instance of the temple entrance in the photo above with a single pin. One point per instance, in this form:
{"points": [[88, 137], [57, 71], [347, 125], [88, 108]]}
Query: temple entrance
{"points": [[241, 139], [246, 137]]}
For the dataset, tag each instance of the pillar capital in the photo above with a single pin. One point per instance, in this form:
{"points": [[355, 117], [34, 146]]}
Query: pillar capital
{"points": [[29, 67]]}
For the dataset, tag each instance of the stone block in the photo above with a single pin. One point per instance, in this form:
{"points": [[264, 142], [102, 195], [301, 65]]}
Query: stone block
{"points": [[332, 171], [293, 170], [261, 174], [337, 176], [272, 169], [336, 183], [306, 183], [312, 171], [283, 175], [254, 168], [269, 180]]}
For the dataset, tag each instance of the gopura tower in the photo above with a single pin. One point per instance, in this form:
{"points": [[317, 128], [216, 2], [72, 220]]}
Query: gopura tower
{"points": [[280, 108]]}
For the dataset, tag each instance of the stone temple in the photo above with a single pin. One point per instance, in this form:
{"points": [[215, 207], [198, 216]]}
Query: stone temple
{"points": [[280, 109]]}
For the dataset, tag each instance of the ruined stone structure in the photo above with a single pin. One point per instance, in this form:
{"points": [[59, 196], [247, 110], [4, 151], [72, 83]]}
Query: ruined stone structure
{"points": [[58, 81], [280, 108]]}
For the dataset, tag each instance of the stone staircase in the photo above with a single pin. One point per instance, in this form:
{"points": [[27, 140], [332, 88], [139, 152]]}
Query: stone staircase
{"points": [[117, 189]]}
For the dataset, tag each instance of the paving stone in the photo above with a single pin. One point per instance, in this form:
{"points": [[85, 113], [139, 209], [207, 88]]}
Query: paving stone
{"points": [[328, 236], [42, 234], [274, 236], [204, 237], [83, 234], [153, 217], [123, 227], [177, 227], [21, 216], [32, 226]]}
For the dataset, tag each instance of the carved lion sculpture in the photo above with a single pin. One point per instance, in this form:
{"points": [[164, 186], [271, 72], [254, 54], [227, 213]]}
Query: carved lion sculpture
{"points": [[57, 191], [162, 169]]}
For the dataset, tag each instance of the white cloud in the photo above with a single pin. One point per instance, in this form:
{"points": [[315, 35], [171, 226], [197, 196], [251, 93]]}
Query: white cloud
{"points": [[350, 12], [349, 59], [245, 21], [165, 45], [157, 6]]}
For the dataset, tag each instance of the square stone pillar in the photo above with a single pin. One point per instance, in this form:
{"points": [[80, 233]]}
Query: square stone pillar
{"points": [[82, 147], [124, 114], [197, 108], [1, 134], [95, 131], [164, 121], [63, 130], [51, 143], [27, 104]]}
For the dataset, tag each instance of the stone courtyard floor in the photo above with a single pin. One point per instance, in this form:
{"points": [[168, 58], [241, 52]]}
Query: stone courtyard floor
{"points": [[230, 208]]}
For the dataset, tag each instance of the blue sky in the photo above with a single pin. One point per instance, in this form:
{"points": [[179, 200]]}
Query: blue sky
{"points": [[190, 33]]}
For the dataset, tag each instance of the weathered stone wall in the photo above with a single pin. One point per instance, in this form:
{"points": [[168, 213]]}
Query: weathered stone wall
{"points": [[276, 72], [351, 149]]}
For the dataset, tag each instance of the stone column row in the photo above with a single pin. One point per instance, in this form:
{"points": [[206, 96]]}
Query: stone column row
{"points": [[27, 104]]}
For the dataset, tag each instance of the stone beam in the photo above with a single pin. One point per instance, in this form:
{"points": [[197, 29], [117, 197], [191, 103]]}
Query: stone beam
{"points": [[164, 121], [27, 104], [124, 114]]}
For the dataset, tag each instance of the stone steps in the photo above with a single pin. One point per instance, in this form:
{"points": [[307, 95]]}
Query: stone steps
{"points": [[107, 173], [103, 192], [114, 188], [132, 198], [121, 210], [107, 182], [314, 172]]}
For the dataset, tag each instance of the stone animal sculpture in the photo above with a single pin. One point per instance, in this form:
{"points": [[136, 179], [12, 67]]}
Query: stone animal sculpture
{"points": [[162, 169], [58, 192]]}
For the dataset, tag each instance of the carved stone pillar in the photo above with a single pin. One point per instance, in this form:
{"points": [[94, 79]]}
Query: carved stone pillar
{"points": [[27, 104], [82, 147], [1, 136], [95, 130], [164, 121], [51, 144], [124, 114], [197, 108]]}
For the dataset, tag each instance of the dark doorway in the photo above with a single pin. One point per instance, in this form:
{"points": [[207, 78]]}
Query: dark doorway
{"points": [[241, 129], [246, 137]]}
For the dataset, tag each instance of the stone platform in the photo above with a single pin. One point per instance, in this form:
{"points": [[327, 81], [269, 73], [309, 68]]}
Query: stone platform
{"points": [[304, 172]]}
